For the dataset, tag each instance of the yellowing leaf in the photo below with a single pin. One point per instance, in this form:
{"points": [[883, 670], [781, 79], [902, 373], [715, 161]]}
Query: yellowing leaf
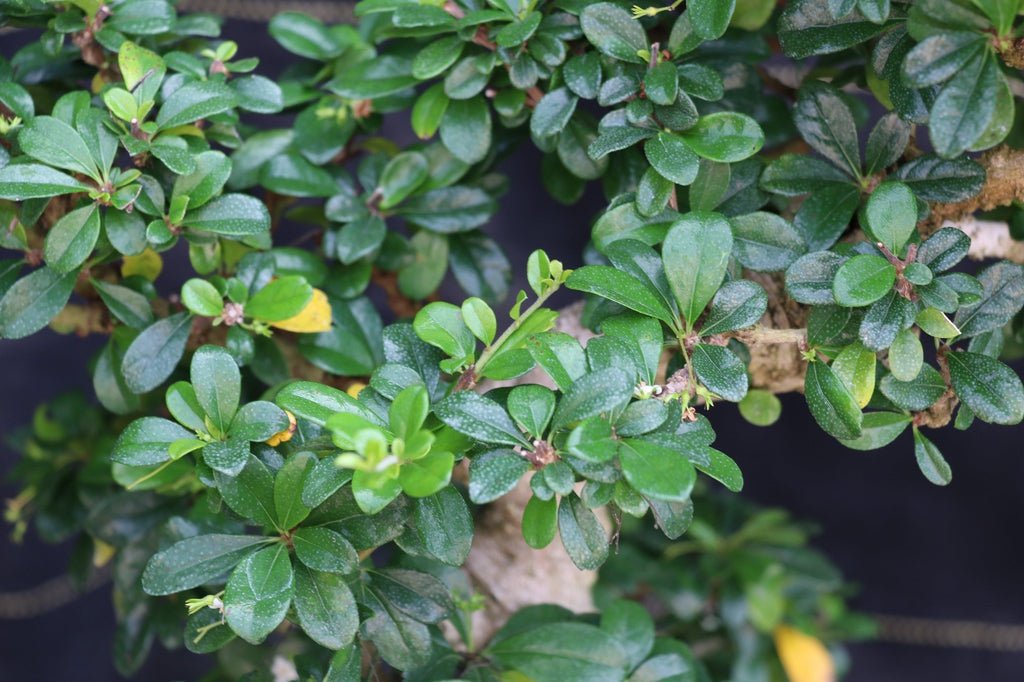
{"points": [[314, 318], [149, 264], [102, 553], [189, 129], [355, 388], [804, 658]]}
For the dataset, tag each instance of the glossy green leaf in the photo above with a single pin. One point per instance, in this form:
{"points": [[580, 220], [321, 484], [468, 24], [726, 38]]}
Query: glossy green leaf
{"points": [[933, 465], [325, 607], [862, 280], [153, 355], [992, 390], [259, 592], [582, 534], [35, 299], [195, 561], [696, 253], [614, 32], [656, 471], [831, 403]]}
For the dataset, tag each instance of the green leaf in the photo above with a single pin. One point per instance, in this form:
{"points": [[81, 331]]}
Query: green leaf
{"points": [[810, 278], [696, 254], [673, 157], [765, 242], [325, 608], [231, 215], [760, 407], [71, 240], [622, 288], [826, 122], [250, 493], [227, 456], [258, 421], [449, 209], [479, 417], [862, 280], [183, 405], [807, 27], [992, 390], [855, 367], [282, 298], [632, 628], [604, 391], [401, 177], [583, 536], [194, 101], [552, 113], [466, 129], [661, 83], [258, 94], [831, 403], [440, 324], [139, 65], [886, 144], [891, 213], [878, 430], [480, 319], [965, 106], [202, 298], [373, 492], [655, 471], [720, 371], [944, 249], [792, 175], [933, 465], [31, 302], [206, 182], [353, 346], [947, 180], [906, 356], [259, 593], [531, 406], [939, 57], [737, 305], [725, 136], [304, 35], [540, 521], [614, 32], [21, 181], [562, 651], [127, 305], [934, 323], [317, 402], [710, 18], [825, 215], [884, 319], [155, 352], [292, 175], [374, 78], [322, 549], [494, 474], [146, 441], [1004, 291], [196, 561], [425, 476], [217, 383], [55, 143], [916, 395], [288, 485], [444, 526]]}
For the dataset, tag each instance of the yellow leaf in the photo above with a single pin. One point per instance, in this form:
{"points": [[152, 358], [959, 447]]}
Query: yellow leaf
{"points": [[804, 658], [286, 435], [355, 388], [102, 553], [148, 264], [314, 318]]}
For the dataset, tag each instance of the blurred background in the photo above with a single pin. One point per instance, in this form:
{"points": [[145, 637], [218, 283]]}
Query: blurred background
{"points": [[914, 550]]}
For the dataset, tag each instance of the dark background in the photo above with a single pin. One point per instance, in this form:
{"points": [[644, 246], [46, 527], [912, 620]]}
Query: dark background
{"points": [[913, 549]]}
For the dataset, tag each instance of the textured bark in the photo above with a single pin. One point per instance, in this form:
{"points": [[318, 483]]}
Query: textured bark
{"points": [[1004, 184]]}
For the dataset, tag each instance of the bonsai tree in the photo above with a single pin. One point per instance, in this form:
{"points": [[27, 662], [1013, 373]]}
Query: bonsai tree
{"points": [[307, 465]]}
